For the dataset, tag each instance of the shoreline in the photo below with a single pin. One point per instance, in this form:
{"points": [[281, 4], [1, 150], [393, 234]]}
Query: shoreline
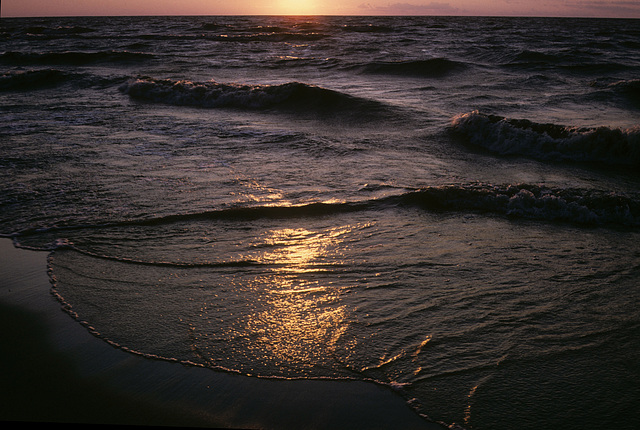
{"points": [[54, 370]]}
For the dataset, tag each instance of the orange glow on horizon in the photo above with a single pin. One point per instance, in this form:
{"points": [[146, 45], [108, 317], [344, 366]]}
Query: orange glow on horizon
{"points": [[297, 7], [567, 8]]}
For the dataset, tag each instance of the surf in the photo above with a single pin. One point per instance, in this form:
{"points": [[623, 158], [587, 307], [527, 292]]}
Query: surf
{"points": [[291, 96], [548, 141]]}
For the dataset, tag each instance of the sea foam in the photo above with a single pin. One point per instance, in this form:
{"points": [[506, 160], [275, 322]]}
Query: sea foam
{"points": [[296, 96], [549, 142]]}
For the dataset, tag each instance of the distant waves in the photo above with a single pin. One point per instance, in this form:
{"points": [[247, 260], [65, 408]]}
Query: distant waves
{"points": [[73, 58]]}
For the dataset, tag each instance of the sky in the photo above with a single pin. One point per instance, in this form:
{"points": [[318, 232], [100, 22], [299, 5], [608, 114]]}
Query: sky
{"points": [[577, 8]]}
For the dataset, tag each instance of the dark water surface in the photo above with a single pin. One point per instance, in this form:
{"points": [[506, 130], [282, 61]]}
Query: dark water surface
{"points": [[449, 206]]}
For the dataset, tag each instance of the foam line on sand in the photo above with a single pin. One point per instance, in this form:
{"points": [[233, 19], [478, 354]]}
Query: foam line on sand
{"points": [[54, 370]]}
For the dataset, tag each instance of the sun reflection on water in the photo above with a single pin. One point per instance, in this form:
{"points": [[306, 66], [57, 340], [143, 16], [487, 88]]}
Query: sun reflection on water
{"points": [[303, 318], [293, 321], [301, 250], [301, 325]]}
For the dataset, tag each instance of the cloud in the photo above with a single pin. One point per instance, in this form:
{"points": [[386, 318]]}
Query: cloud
{"points": [[609, 8], [433, 8], [578, 8], [583, 8]]}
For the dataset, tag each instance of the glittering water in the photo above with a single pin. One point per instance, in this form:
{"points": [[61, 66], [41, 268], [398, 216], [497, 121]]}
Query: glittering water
{"points": [[445, 205]]}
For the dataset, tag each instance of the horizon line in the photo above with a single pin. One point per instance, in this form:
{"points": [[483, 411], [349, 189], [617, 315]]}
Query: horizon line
{"points": [[323, 15]]}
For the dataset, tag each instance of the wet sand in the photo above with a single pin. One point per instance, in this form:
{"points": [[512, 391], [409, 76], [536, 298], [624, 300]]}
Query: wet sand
{"points": [[54, 370]]}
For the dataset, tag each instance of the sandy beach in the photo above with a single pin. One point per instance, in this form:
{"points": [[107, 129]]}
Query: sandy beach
{"points": [[54, 370]]}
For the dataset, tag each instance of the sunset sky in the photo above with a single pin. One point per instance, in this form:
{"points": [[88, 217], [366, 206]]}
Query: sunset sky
{"points": [[579, 8]]}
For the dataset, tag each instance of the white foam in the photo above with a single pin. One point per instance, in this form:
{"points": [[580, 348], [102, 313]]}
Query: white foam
{"points": [[550, 142]]}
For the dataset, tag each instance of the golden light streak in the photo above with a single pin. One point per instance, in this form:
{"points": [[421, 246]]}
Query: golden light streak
{"points": [[301, 321]]}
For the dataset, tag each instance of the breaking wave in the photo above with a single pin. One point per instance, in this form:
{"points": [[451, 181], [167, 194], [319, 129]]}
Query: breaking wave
{"points": [[549, 142], [292, 96], [535, 202], [579, 207]]}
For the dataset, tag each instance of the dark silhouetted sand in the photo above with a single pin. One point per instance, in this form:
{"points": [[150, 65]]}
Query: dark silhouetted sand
{"points": [[54, 370]]}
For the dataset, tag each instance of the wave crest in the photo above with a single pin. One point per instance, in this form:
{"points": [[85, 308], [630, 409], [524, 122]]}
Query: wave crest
{"points": [[526, 201], [549, 142], [73, 58], [32, 79], [293, 95], [579, 207], [431, 68]]}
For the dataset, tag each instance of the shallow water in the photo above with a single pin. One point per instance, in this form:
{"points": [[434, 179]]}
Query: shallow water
{"points": [[445, 205]]}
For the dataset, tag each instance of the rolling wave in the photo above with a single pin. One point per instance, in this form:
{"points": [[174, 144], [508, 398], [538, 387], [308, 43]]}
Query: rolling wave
{"points": [[529, 57], [526, 201], [54, 31], [289, 96], [617, 90], [579, 207], [73, 58], [549, 142], [581, 60], [630, 88], [431, 68], [37, 79], [33, 79]]}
